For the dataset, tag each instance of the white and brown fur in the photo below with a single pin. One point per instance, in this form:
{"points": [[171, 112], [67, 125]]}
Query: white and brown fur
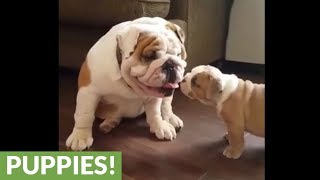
{"points": [[239, 103], [106, 92]]}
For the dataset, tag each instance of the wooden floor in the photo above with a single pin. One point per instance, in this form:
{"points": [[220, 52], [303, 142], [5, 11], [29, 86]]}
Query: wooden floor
{"points": [[195, 154]]}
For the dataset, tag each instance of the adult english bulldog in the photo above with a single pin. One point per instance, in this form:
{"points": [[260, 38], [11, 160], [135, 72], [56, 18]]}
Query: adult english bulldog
{"points": [[239, 103], [134, 68]]}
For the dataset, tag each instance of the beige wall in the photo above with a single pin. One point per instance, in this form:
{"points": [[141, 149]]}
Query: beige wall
{"points": [[207, 25], [178, 10], [207, 30], [246, 38]]}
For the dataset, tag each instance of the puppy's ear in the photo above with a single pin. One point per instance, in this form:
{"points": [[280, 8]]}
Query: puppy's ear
{"points": [[214, 87], [190, 95], [180, 34]]}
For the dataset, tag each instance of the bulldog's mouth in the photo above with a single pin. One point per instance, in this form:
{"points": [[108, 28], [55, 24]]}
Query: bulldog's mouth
{"points": [[168, 88], [159, 79], [164, 91]]}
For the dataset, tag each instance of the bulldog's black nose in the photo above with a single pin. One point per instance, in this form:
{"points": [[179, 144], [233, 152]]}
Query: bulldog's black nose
{"points": [[169, 69], [169, 64]]}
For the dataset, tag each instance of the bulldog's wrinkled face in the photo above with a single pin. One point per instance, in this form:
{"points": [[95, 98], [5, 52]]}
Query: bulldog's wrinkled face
{"points": [[203, 83], [153, 58]]}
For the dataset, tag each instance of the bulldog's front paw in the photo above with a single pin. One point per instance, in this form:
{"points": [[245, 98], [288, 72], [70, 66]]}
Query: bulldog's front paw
{"points": [[80, 139], [163, 130], [175, 121], [232, 153]]}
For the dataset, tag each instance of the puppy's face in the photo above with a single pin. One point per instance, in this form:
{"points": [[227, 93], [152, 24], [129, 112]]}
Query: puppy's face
{"points": [[203, 83], [153, 57]]}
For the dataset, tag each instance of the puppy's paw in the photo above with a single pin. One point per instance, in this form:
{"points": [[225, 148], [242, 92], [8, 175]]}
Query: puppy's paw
{"points": [[80, 139], [107, 125], [175, 121], [232, 153], [226, 137], [163, 130]]}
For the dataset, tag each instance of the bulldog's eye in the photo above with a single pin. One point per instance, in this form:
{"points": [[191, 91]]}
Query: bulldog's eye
{"points": [[179, 54], [151, 55]]}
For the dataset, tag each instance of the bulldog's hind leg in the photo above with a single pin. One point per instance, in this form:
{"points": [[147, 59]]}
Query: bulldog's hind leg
{"points": [[110, 114]]}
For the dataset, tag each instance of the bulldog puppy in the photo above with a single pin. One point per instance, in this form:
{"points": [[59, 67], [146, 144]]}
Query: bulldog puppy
{"points": [[239, 103], [134, 68]]}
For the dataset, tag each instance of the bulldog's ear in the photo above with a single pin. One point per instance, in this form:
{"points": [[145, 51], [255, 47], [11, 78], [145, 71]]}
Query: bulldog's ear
{"points": [[127, 39], [183, 52], [177, 30], [180, 34], [215, 86]]}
